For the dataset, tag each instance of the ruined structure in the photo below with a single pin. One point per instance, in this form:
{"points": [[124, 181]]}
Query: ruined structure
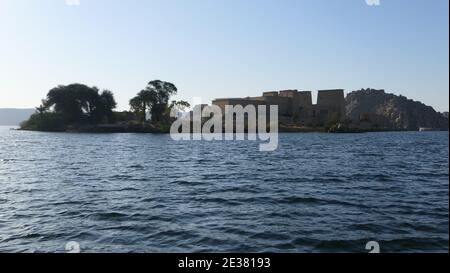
{"points": [[296, 106]]}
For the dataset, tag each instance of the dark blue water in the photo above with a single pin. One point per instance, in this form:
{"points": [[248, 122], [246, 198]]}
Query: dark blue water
{"points": [[147, 193]]}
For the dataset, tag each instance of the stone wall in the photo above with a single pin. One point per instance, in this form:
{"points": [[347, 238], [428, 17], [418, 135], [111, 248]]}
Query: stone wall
{"points": [[332, 100], [297, 106], [237, 101]]}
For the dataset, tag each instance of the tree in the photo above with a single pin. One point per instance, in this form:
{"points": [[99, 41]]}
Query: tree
{"points": [[155, 98], [137, 105], [64, 101], [78, 103], [178, 106], [163, 92], [106, 105], [42, 108], [143, 101], [44, 121]]}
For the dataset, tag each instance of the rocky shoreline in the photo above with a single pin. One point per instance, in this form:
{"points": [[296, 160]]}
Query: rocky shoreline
{"points": [[151, 129]]}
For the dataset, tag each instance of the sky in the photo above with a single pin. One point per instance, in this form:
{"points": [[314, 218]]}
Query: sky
{"points": [[224, 48]]}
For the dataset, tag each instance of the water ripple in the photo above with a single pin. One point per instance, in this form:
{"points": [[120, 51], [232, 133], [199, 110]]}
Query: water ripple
{"points": [[147, 193]]}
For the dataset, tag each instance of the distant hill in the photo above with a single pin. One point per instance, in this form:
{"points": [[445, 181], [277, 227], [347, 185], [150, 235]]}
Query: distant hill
{"points": [[13, 117], [393, 112]]}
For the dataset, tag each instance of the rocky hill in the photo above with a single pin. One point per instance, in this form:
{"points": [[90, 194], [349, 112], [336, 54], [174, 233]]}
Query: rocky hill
{"points": [[392, 112]]}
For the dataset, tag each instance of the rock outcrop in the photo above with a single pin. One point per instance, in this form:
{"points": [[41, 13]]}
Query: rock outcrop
{"points": [[392, 112]]}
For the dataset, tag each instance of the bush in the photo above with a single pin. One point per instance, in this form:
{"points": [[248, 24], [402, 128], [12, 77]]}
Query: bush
{"points": [[332, 121], [125, 116], [48, 122]]}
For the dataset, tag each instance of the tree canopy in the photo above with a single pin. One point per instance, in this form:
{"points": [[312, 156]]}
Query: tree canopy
{"points": [[78, 106], [155, 98], [78, 103]]}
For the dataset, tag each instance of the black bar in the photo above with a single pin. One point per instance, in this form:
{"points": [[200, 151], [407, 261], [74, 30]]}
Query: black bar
{"points": [[225, 262]]}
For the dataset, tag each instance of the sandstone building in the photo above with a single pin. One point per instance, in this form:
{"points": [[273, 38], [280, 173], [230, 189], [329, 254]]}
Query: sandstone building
{"points": [[296, 106]]}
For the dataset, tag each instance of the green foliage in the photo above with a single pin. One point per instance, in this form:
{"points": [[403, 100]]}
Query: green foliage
{"points": [[179, 105], [105, 106], [144, 100], [155, 98], [48, 122], [124, 116], [334, 119], [163, 126], [78, 103]]}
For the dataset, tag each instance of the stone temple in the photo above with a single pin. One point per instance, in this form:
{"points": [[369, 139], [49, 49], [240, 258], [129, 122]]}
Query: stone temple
{"points": [[297, 106]]}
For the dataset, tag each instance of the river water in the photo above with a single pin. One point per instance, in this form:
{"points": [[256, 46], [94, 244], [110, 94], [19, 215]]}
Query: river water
{"points": [[147, 193]]}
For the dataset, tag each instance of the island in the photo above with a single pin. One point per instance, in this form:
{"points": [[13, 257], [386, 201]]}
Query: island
{"points": [[80, 108]]}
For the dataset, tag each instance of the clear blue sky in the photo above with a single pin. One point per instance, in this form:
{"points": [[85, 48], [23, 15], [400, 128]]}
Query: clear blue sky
{"points": [[224, 48]]}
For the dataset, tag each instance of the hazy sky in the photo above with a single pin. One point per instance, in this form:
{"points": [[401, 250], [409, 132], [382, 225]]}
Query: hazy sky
{"points": [[224, 48]]}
